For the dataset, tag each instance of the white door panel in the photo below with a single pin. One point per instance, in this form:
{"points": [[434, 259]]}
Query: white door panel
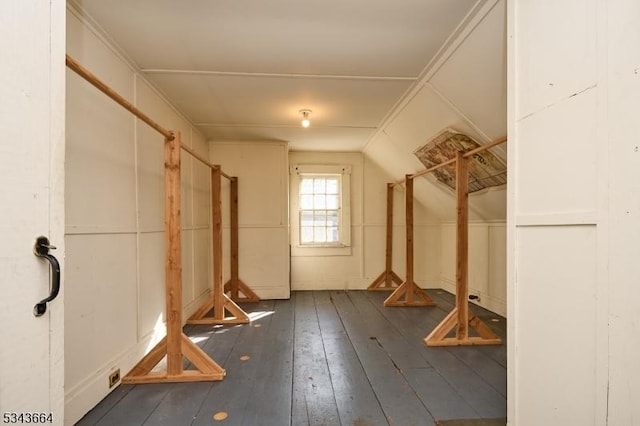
{"points": [[31, 204]]}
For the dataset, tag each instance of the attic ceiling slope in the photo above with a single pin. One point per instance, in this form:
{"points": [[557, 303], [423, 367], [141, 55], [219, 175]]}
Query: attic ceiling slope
{"points": [[466, 91], [243, 69]]}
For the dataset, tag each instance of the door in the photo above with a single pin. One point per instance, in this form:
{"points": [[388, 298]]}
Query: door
{"points": [[31, 204]]}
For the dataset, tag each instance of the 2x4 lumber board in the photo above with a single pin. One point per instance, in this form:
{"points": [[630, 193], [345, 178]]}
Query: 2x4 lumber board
{"points": [[408, 293], [459, 317], [237, 314], [173, 262], [409, 236], [235, 285], [175, 344], [235, 270], [216, 241], [462, 245], [249, 295], [104, 88], [120, 100], [386, 280], [388, 257], [399, 297]]}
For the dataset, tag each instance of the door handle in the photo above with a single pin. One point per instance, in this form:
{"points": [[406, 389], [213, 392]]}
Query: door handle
{"points": [[41, 249]]}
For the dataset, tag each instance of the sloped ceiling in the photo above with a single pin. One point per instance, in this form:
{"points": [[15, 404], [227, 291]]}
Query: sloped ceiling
{"points": [[380, 77], [466, 91]]}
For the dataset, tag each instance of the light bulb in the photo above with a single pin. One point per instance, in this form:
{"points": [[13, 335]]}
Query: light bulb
{"points": [[305, 118]]}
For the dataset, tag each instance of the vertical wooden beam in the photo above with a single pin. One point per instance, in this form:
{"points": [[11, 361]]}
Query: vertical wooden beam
{"points": [[462, 245], [409, 237], [233, 195], [412, 294], [173, 265], [388, 278], [235, 286], [460, 319], [220, 303], [388, 261], [216, 241]]}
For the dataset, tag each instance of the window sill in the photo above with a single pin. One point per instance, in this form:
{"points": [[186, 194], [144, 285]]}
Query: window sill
{"points": [[320, 250]]}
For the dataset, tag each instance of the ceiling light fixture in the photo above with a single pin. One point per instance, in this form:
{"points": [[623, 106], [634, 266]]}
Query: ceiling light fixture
{"points": [[305, 117]]}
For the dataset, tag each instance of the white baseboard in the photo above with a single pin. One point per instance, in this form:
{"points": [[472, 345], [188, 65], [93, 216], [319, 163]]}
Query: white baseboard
{"points": [[86, 394], [487, 301]]}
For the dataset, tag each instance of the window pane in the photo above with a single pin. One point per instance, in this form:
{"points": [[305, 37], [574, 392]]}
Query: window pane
{"points": [[306, 218], [319, 185], [320, 234], [319, 210], [306, 202], [332, 235], [320, 218], [332, 218], [319, 201], [333, 201], [332, 186], [306, 186], [306, 234]]}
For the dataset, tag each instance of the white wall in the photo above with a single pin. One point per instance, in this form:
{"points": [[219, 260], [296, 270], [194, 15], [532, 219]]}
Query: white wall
{"points": [[368, 220], [263, 216], [115, 221], [487, 263], [574, 233]]}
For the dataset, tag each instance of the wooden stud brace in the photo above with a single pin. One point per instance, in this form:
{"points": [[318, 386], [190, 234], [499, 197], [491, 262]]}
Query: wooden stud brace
{"points": [[220, 303], [176, 346], [235, 286], [460, 318], [408, 293], [386, 280]]}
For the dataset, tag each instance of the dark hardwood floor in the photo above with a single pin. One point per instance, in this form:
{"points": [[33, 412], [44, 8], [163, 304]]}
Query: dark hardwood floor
{"points": [[327, 358]]}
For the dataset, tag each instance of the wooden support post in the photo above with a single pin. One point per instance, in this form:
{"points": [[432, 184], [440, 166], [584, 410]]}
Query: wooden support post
{"points": [[219, 301], [388, 278], [460, 318], [235, 285], [412, 294], [175, 345]]}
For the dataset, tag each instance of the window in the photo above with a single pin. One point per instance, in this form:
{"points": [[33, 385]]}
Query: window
{"points": [[320, 201], [319, 209]]}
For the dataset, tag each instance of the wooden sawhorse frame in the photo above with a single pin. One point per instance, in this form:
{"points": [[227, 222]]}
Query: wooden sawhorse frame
{"points": [[387, 279], [408, 293]]}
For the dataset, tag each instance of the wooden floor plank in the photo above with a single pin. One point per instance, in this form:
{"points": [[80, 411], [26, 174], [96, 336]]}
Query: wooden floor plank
{"points": [[232, 394], [357, 403], [109, 402], [313, 396], [326, 358], [270, 398], [480, 395], [136, 406], [400, 403]]}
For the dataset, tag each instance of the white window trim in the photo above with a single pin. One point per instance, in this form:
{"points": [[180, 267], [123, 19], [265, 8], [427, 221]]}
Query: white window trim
{"points": [[342, 247]]}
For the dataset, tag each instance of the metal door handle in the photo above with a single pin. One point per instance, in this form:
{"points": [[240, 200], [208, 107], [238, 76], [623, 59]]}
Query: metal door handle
{"points": [[41, 249]]}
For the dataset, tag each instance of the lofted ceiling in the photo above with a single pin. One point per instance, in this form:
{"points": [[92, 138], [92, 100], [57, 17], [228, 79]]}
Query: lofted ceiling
{"points": [[243, 69], [381, 77]]}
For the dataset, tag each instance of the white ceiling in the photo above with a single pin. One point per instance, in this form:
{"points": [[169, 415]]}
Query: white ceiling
{"points": [[242, 69]]}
